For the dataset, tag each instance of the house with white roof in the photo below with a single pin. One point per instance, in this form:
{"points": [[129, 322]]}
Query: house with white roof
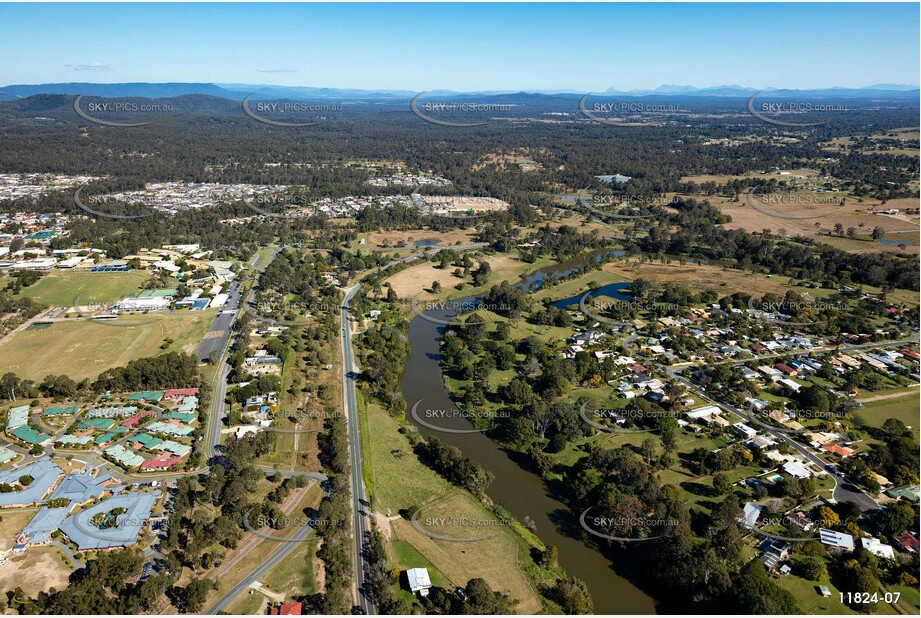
{"points": [[419, 581], [877, 548]]}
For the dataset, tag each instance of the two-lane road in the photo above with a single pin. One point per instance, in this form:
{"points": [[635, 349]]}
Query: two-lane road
{"points": [[361, 525]]}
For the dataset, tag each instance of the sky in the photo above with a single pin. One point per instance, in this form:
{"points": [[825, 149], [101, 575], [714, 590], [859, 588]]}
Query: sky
{"points": [[580, 47]]}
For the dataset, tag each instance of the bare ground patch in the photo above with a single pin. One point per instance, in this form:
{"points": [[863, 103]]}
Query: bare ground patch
{"points": [[38, 569], [724, 281]]}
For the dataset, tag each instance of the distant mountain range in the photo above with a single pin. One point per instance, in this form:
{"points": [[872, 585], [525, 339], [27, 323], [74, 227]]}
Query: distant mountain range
{"points": [[237, 92]]}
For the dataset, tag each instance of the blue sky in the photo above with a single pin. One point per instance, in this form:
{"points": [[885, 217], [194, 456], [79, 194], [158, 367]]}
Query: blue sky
{"points": [[583, 47]]}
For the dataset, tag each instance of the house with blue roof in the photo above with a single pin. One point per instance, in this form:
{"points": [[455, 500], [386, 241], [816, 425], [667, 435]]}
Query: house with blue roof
{"points": [[40, 527], [44, 473], [80, 487], [116, 530]]}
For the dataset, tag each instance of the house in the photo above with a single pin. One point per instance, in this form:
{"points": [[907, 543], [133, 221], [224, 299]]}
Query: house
{"points": [[907, 541], [180, 393], [835, 539], [794, 386], [762, 442], [770, 372], [589, 337], [779, 416], [796, 469], [835, 449], [750, 514], [287, 609], [824, 591], [875, 547], [906, 492], [786, 369], [744, 430], [775, 551], [419, 581], [704, 412], [716, 420], [160, 463], [800, 520]]}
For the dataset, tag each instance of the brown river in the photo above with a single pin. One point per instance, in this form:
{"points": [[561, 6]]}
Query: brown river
{"points": [[523, 493]]}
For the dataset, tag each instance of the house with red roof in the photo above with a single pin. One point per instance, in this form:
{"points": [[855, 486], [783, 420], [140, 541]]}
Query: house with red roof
{"points": [[907, 541], [134, 420], [784, 368], [179, 393], [835, 449], [287, 609], [160, 463]]}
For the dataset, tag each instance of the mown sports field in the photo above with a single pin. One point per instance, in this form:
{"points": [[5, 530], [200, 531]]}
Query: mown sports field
{"points": [[83, 349], [59, 288]]}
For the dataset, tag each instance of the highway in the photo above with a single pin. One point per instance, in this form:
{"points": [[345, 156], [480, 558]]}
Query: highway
{"points": [[360, 514], [361, 524]]}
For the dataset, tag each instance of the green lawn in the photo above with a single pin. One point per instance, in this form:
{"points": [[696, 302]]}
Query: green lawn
{"points": [[905, 409], [910, 597], [405, 556], [809, 599], [571, 287], [60, 288], [295, 574], [398, 480], [248, 603], [83, 349]]}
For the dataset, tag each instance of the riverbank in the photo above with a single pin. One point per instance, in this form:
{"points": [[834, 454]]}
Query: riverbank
{"points": [[523, 493], [400, 485]]}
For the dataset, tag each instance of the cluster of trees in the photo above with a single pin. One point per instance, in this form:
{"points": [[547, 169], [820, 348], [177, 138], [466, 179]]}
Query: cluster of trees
{"points": [[896, 458], [15, 311], [108, 585], [693, 231], [335, 517], [170, 370], [299, 275], [382, 352], [449, 462]]}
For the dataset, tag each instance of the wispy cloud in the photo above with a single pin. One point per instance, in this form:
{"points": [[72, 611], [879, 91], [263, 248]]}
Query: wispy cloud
{"points": [[92, 66], [277, 71]]}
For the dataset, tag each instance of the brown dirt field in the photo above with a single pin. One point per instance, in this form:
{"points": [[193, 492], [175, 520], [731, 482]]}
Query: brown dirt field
{"points": [[11, 524], [724, 178], [415, 279], [411, 281], [827, 215], [38, 569], [407, 238], [704, 277]]}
